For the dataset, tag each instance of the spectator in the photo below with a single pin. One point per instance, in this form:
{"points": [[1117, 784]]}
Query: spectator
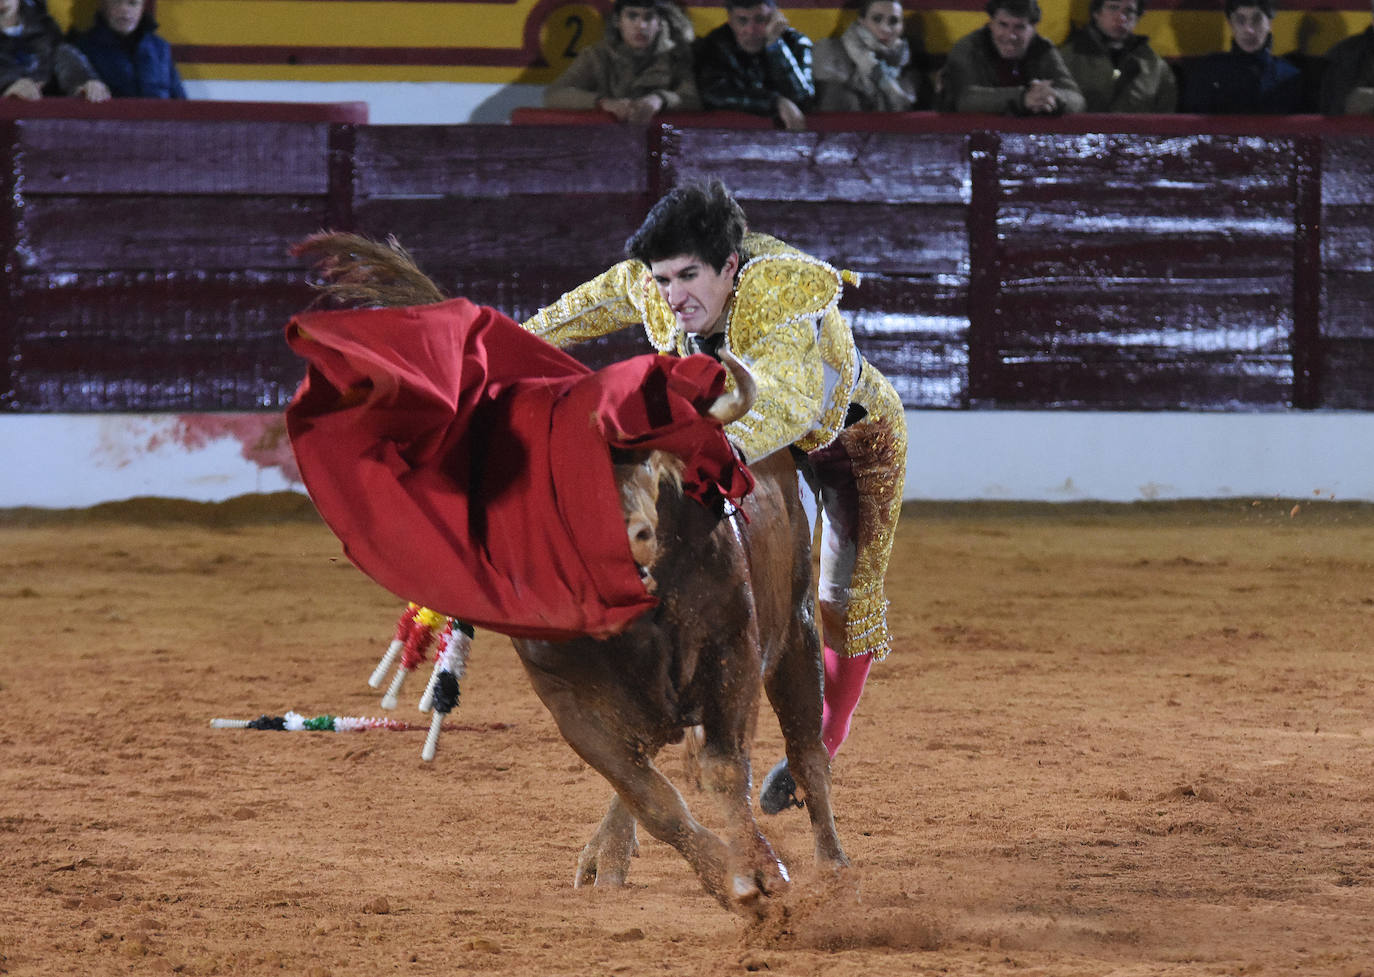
{"points": [[34, 59], [1116, 68], [642, 66], [868, 68], [1248, 79], [124, 48], [756, 63], [1006, 67], [1348, 85]]}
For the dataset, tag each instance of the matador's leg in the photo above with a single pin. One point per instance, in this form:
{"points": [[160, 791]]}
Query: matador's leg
{"points": [[860, 478]]}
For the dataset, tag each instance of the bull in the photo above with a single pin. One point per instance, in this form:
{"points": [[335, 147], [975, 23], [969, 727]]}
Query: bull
{"points": [[735, 607], [735, 616]]}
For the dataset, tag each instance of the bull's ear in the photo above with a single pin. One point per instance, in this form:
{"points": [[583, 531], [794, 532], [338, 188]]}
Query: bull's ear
{"points": [[730, 406]]}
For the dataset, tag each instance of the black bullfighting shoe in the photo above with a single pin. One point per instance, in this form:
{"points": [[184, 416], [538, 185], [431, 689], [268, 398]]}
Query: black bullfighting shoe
{"points": [[779, 790]]}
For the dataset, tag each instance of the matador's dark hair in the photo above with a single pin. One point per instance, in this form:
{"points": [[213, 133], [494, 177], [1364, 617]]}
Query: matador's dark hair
{"points": [[700, 219]]}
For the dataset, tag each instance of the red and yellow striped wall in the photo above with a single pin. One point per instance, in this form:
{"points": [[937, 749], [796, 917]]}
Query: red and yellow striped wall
{"points": [[530, 41]]}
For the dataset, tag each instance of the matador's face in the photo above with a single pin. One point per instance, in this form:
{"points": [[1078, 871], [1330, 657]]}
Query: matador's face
{"points": [[696, 292]]}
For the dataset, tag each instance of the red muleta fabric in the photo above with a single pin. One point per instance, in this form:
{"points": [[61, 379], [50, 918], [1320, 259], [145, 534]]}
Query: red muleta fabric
{"points": [[465, 464]]}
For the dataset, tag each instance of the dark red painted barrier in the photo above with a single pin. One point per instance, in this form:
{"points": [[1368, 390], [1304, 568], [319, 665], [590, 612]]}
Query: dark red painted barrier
{"points": [[1108, 262]]}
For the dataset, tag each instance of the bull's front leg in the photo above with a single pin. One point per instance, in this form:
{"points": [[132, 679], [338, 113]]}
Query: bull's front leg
{"points": [[654, 802], [605, 860], [752, 868], [643, 794]]}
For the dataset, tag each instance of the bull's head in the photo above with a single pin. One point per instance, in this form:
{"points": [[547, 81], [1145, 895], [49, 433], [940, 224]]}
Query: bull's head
{"points": [[640, 479]]}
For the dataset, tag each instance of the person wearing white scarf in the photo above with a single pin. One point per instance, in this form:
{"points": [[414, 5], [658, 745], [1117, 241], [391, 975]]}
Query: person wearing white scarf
{"points": [[868, 68]]}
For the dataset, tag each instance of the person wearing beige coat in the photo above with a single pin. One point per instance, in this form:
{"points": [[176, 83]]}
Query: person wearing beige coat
{"points": [[643, 66]]}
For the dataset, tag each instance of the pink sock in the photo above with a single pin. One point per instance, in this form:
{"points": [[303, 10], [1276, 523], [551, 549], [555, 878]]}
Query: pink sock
{"points": [[844, 683]]}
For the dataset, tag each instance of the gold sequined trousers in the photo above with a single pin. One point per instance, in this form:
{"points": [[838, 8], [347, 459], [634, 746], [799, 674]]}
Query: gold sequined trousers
{"points": [[859, 478]]}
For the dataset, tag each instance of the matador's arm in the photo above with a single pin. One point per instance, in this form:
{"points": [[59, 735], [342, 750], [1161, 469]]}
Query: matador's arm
{"points": [[609, 302]]}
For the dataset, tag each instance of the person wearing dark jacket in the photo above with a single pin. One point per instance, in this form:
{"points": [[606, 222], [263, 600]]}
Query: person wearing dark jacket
{"points": [[1348, 83], [34, 60], [126, 51], [755, 62], [1006, 67], [1248, 79], [1116, 68]]}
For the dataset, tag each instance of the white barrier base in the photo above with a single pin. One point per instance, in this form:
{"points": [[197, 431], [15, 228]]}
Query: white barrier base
{"points": [[64, 461], [1069, 456]]}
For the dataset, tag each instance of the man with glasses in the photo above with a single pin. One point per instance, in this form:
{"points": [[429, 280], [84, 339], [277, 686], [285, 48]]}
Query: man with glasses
{"points": [[1115, 67]]}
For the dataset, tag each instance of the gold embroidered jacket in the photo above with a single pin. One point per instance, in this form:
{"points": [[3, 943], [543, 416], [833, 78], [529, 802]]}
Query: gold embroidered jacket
{"points": [[783, 322]]}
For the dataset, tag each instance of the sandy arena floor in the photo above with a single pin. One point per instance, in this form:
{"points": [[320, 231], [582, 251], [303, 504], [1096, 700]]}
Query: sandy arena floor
{"points": [[1132, 740]]}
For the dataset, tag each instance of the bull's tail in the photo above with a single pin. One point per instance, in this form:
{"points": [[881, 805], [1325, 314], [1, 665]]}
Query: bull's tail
{"points": [[355, 271]]}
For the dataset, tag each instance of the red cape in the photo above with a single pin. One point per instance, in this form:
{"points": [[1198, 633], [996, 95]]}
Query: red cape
{"points": [[465, 464]]}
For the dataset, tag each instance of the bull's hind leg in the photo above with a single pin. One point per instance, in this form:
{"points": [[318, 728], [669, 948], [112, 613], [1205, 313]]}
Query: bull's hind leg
{"points": [[794, 690], [605, 860]]}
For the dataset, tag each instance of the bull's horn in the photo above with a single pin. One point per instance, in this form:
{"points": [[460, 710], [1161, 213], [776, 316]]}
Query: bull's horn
{"points": [[730, 406]]}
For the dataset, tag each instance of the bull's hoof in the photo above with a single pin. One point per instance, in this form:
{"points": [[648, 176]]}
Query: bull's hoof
{"points": [[605, 860], [779, 790]]}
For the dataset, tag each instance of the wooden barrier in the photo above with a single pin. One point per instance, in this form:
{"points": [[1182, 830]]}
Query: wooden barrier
{"points": [[1104, 262]]}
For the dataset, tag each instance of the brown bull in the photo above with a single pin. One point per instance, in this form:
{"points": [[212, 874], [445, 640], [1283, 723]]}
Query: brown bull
{"points": [[736, 607], [735, 614]]}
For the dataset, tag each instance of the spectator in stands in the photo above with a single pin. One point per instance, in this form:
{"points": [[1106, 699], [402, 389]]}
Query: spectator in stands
{"points": [[1007, 67], [1248, 79], [643, 66], [124, 48], [34, 60], [1348, 84], [1115, 67], [755, 62], [869, 68]]}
